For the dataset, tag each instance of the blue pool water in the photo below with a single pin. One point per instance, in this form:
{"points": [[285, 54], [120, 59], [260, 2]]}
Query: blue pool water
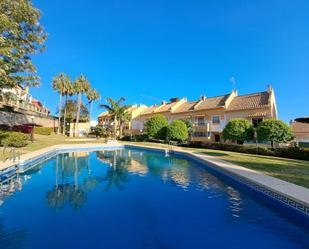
{"points": [[129, 198]]}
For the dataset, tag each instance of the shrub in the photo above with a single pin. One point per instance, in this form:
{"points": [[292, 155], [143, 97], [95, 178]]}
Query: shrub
{"points": [[140, 137], [3, 135], [15, 139], [177, 131], [239, 130], [274, 130], [156, 127], [99, 131], [290, 152], [189, 124], [43, 130]]}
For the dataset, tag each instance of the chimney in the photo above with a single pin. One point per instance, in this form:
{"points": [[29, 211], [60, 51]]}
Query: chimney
{"points": [[172, 100], [203, 97], [269, 88]]}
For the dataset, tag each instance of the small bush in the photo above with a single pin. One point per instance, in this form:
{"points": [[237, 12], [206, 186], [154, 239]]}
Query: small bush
{"points": [[292, 152], [140, 138], [15, 139], [3, 135], [136, 138], [177, 131], [99, 132], [156, 127], [239, 130], [43, 130]]}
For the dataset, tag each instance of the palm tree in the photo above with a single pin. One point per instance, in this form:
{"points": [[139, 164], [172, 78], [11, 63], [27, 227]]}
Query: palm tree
{"points": [[115, 109], [124, 118], [81, 85], [92, 95], [69, 91], [59, 84]]}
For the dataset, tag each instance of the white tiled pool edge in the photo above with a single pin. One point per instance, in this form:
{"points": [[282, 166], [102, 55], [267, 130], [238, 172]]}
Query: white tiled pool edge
{"points": [[289, 193]]}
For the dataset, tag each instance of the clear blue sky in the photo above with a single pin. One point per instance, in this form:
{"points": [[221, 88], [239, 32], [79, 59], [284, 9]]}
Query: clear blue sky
{"points": [[179, 48]]}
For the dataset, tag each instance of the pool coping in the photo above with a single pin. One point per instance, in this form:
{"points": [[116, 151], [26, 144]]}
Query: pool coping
{"points": [[288, 193]]}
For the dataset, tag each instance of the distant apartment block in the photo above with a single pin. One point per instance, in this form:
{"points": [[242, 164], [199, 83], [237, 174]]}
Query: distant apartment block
{"points": [[19, 110], [209, 115], [20, 100]]}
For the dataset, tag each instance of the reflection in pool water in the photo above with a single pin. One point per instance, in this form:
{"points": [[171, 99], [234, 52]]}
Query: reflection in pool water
{"points": [[135, 199]]}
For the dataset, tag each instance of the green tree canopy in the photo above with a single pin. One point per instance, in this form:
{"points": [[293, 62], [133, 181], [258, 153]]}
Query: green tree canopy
{"points": [[156, 127], [273, 130], [60, 84], [116, 111], [71, 109], [239, 130], [189, 124], [21, 36], [177, 131], [92, 95]]}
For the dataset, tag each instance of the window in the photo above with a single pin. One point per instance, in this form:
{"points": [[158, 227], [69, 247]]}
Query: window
{"points": [[256, 121], [216, 119], [201, 134], [200, 121]]}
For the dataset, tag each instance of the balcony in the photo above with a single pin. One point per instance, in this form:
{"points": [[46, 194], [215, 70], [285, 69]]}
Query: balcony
{"points": [[24, 107], [202, 127]]}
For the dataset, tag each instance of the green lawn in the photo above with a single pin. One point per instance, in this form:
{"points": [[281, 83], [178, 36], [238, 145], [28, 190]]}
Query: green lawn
{"points": [[295, 171], [41, 141]]}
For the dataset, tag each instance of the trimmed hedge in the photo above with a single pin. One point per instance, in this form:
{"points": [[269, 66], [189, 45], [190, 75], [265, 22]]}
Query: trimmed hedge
{"points": [[290, 152], [177, 131], [136, 138], [43, 130], [14, 139], [156, 127]]}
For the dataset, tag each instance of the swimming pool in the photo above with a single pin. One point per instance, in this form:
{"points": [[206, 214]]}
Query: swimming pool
{"points": [[133, 198]]}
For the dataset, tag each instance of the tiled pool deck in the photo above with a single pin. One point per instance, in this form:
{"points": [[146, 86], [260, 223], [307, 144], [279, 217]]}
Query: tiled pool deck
{"points": [[289, 194]]}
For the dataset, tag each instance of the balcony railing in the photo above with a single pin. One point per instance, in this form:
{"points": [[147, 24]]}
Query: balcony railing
{"points": [[23, 106], [202, 126]]}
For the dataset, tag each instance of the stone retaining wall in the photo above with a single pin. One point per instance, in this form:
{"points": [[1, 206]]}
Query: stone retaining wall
{"points": [[16, 119]]}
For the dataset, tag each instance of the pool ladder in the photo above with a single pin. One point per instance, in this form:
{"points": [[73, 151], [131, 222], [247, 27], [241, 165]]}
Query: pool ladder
{"points": [[12, 155], [170, 148]]}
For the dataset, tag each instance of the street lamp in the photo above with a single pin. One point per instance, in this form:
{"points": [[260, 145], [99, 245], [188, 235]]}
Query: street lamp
{"points": [[32, 130]]}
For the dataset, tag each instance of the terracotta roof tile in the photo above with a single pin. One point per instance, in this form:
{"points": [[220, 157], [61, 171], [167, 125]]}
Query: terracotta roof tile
{"points": [[185, 107], [249, 101], [149, 110], [166, 107], [213, 102], [299, 127]]}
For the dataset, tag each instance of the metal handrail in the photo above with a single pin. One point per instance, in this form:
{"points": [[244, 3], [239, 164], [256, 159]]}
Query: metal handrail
{"points": [[13, 154]]}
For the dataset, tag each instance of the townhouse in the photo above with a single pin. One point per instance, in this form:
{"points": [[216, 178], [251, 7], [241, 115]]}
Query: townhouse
{"points": [[209, 115], [300, 128]]}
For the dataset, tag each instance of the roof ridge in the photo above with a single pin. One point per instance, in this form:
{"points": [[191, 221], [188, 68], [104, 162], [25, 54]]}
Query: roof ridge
{"points": [[251, 94], [223, 95]]}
